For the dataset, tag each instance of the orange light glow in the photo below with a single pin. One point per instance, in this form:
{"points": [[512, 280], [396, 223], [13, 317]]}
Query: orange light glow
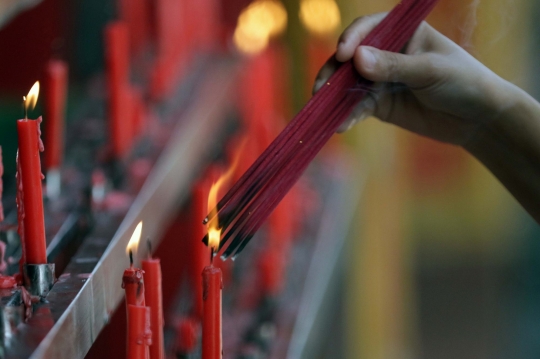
{"points": [[133, 243], [249, 44], [320, 17], [30, 100], [257, 23], [214, 232]]}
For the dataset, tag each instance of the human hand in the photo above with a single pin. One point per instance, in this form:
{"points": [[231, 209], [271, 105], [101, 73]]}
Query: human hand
{"points": [[435, 88]]}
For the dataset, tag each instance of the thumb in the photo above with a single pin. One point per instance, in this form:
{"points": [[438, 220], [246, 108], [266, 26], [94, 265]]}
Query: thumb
{"points": [[383, 66]]}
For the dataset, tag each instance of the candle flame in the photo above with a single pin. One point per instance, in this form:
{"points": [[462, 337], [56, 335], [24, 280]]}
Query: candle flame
{"points": [[133, 243], [30, 100], [214, 232]]}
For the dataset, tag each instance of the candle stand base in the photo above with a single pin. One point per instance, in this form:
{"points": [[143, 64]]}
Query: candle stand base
{"points": [[39, 278]]}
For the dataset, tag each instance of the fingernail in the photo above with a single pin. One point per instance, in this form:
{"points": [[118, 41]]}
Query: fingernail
{"points": [[369, 59], [317, 85]]}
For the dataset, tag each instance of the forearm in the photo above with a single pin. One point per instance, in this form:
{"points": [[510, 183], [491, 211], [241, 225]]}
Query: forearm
{"points": [[509, 146]]}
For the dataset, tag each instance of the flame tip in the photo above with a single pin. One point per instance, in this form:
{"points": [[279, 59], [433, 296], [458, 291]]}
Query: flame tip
{"points": [[133, 243], [31, 99]]}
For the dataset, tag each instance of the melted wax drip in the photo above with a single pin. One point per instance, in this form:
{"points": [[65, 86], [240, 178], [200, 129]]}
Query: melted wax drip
{"points": [[27, 300], [6, 281], [20, 210], [146, 337], [41, 147]]}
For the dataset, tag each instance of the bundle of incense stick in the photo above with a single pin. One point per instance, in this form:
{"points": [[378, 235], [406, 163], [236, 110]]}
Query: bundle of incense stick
{"points": [[245, 207]]}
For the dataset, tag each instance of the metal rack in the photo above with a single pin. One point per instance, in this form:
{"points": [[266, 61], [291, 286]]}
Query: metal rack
{"points": [[10, 8], [80, 303]]}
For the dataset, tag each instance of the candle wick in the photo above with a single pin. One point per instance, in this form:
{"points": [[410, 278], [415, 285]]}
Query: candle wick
{"points": [[130, 258], [25, 108], [149, 247], [211, 255]]}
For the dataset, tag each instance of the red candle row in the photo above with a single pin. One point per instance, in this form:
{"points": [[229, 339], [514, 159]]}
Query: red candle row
{"points": [[180, 29]]}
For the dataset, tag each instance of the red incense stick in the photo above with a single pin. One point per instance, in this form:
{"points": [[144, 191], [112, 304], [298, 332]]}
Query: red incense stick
{"points": [[251, 200]]}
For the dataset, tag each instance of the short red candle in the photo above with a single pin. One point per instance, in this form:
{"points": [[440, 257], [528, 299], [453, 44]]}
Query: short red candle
{"points": [[138, 332], [55, 93], [187, 330], [30, 168], [153, 297], [211, 330], [132, 282], [272, 267], [199, 257]]}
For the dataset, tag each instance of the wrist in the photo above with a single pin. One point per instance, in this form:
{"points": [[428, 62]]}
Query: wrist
{"points": [[513, 121]]}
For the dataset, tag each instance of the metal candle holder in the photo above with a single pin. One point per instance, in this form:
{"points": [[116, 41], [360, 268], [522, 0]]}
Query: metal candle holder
{"points": [[38, 278]]}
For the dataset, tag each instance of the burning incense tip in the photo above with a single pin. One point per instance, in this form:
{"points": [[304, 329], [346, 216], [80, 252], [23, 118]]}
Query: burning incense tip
{"points": [[205, 239], [250, 201]]}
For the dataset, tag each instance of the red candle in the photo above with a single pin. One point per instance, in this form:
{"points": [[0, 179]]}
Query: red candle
{"points": [[135, 14], [211, 330], [257, 100], [1, 185], [117, 55], [172, 44], [186, 336], [117, 59], [139, 336], [56, 82], [132, 282], [30, 177], [138, 111], [199, 253], [272, 267], [208, 28], [153, 296], [212, 347]]}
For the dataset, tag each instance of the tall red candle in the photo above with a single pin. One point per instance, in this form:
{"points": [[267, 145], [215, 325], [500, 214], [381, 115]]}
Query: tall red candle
{"points": [[55, 93], [153, 297], [117, 59], [135, 14], [30, 176], [211, 330], [139, 336]]}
